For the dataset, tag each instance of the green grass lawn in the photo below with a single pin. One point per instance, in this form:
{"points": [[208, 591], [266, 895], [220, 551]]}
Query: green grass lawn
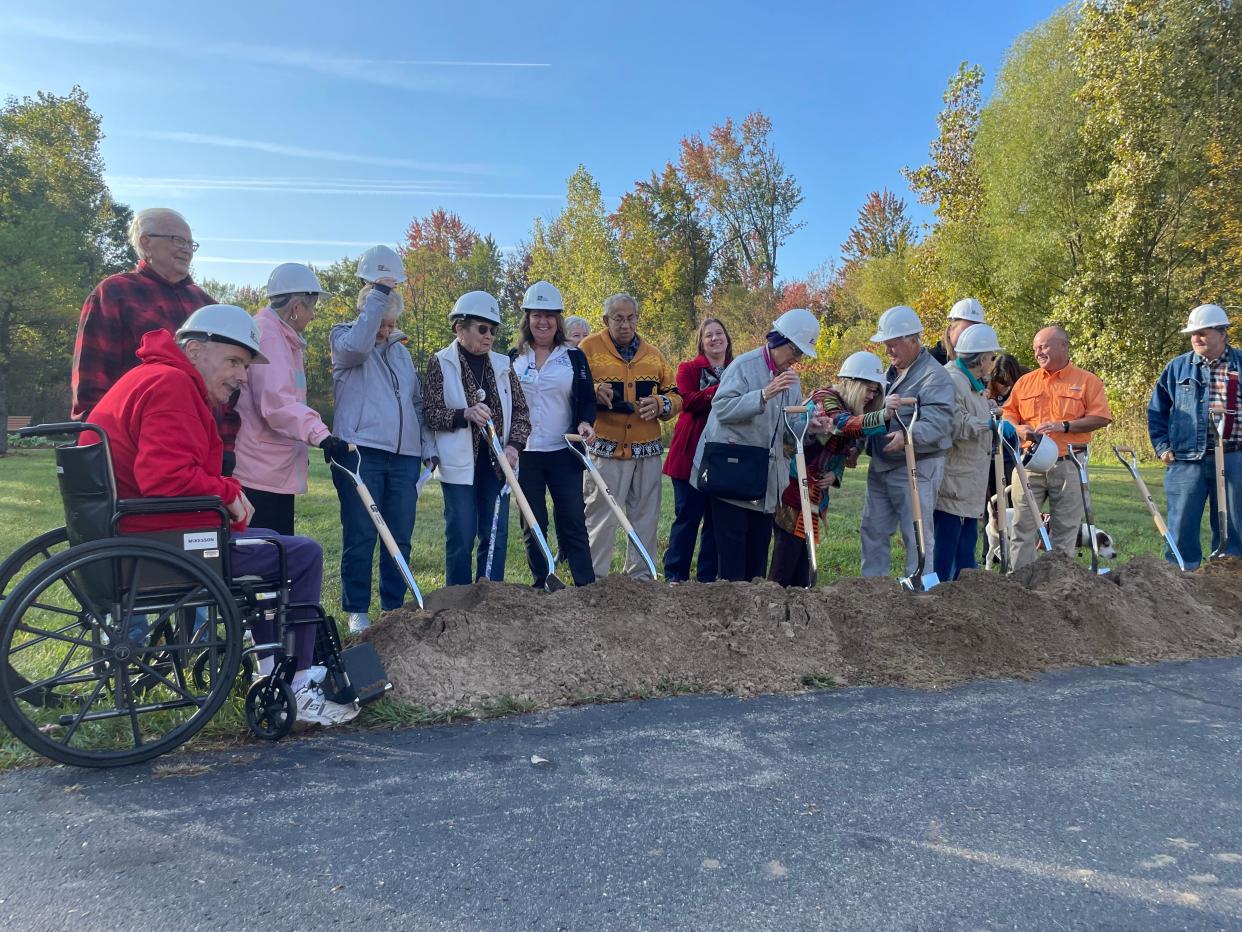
{"points": [[30, 504]]}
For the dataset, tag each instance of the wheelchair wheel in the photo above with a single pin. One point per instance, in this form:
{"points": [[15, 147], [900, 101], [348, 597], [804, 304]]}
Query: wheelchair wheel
{"points": [[110, 628], [18, 564], [241, 679], [271, 708]]}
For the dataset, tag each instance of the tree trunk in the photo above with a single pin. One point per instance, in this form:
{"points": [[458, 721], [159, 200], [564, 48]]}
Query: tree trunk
{"points": [[4, 410]]}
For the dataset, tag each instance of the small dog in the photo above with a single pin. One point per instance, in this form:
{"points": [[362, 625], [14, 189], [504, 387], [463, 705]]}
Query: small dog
{"points": [[1103, 539]]}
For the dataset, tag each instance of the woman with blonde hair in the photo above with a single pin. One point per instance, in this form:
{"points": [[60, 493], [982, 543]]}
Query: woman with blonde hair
{"points": [[850, 409]]}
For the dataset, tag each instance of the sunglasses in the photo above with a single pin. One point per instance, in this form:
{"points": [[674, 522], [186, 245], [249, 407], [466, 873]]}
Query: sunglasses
{"points": [[487, 329]]}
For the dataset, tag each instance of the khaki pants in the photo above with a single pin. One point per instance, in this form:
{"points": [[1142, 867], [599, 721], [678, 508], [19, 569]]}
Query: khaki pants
{"points": [[1060, 489], [635, 484]]}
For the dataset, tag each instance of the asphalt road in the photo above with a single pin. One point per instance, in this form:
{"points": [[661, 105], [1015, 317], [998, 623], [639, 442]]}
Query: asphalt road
{"points": [[1101, 799]]}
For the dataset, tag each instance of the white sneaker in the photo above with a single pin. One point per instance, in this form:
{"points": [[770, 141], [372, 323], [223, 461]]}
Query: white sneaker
{"points": [[316, 673], [314, 709], [358, 621]]}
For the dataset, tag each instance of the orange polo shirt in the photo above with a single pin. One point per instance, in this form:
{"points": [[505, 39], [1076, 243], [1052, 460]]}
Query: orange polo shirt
{"points": [[1064, 395]]}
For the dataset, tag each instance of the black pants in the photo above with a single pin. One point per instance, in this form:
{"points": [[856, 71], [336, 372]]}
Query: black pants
{"points": [[557, 473], [742, 537], [272, 510], [791, 564]]}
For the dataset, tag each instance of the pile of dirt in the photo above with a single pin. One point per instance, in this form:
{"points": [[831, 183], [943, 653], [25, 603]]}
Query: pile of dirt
{"points": [[489, 642]]}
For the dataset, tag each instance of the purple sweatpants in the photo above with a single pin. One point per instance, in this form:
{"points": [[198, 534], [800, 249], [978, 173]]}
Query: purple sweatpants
{"points": [[304, 561]]}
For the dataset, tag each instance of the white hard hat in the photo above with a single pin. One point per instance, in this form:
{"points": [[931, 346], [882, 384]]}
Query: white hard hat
{"points": [[977, 339], [224, 323], [478, 304], [1042, 456], [967, 309], [800, 327], [899, 321], [381, 262], [293, 278], [543, 296], [1204, 316], [863, 365]]}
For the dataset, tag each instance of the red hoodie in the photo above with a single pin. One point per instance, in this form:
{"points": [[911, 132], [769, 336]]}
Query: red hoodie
{"points": [[164, 438]]}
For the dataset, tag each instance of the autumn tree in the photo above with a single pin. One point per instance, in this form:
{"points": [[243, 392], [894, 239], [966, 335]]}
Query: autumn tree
{"points": [[577, 250], [60, 232], [665, 246], [746, 194]]}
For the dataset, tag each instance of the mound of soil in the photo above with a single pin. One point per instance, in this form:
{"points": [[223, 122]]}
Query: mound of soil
{"points": [[478, 644]]}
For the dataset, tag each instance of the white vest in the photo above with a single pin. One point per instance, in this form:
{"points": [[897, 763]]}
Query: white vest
{"points": [[456, 448]]}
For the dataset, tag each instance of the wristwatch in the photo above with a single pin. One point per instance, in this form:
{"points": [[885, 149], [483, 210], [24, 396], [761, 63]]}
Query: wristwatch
{"points": [[1065, 426]]}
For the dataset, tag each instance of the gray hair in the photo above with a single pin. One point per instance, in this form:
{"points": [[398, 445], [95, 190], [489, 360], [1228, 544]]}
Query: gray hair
{"points": [[577, 321], [392, 310], [970, 360], [145, 221], [619, 298]]}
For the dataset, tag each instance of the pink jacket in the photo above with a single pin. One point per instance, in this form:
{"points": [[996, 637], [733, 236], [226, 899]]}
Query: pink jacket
{"points": [[276, 424]]}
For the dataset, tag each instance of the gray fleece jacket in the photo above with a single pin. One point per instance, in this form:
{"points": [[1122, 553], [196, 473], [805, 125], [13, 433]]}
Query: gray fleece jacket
{"points": [[927, 381], [379, 397]]}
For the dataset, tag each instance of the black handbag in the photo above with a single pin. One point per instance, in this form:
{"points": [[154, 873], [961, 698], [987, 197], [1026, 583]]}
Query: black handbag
{"points": [[734, 470]]}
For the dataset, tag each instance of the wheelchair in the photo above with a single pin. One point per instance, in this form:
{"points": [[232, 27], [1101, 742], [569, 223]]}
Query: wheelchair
{"points": [[118, 647]]}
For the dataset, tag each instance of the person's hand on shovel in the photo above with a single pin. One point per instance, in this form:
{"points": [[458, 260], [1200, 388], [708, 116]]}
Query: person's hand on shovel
{"points": [[587, 433], [477, 414], [512, 456]]}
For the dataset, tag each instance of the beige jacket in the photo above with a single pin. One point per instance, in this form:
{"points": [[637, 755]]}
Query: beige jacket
{"points": [[965, 485]]}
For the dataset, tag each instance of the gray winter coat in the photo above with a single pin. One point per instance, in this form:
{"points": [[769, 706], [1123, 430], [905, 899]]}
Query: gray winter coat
{"points": [[927, 381], [379, 397], [964, 488], [739, 415]]}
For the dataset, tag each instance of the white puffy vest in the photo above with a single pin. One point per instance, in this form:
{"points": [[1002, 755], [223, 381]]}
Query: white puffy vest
{"points": [[455, 447]]}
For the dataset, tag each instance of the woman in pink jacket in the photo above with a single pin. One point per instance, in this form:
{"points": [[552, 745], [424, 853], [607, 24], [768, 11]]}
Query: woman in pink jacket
{"points": [[277, 426]]}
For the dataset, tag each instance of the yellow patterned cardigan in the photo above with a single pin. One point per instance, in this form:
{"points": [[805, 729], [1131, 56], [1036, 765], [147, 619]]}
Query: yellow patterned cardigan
{"points": [[627, 436]]}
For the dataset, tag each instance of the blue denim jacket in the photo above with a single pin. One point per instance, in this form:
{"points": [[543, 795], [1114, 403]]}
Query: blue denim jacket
{"points": [[1177, 416]]}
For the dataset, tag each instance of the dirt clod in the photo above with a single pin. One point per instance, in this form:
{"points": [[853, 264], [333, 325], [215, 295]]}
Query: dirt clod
{"points": [[620, 638]]}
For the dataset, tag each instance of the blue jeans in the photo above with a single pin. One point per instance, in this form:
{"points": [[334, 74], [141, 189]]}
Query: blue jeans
{"points": [[468, 515], [391, 479], [1188, 486], [690, 508], [957, 539]]}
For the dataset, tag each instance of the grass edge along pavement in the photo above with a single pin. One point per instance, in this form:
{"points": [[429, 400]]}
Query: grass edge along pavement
{"points": [[30, 503]]}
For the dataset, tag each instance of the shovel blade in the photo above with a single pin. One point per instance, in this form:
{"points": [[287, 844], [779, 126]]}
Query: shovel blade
{"points": [[553, 583], [920, 583]]}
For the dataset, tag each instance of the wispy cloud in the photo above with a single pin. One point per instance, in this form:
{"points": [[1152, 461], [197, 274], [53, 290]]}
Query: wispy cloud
{"points": [[385, 72], [303, 152], [431, 188], [228, 260], [208, 238]]}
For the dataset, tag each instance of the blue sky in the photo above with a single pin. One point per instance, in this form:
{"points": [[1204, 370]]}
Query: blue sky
{"points": [[305, 132]]}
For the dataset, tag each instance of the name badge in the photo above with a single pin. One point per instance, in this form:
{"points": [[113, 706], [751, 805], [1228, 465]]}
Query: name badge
{"points": [[530, 376]]}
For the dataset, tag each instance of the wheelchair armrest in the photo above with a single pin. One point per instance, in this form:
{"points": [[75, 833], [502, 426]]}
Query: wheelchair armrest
{"points": [[158, 506], [48, 430]]}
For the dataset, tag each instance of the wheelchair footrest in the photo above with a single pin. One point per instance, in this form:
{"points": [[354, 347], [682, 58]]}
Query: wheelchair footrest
{"points": [[364, 677]]}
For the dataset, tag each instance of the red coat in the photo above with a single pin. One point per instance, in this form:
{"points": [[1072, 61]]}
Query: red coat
{"points": [[696, 404], [163, 435]]}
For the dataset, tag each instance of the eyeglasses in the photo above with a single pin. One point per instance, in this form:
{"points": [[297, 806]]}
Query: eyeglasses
{"points": [[179, 241], [486, 329]]}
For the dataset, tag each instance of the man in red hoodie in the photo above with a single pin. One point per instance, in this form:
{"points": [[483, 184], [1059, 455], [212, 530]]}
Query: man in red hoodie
{"points": [[164, 441]]}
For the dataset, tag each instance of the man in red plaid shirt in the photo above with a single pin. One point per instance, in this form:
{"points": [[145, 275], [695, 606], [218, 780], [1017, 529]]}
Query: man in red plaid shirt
{"points": [[157, 295]]}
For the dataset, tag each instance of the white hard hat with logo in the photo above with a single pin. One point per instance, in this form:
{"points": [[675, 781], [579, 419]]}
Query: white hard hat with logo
{"points": [[543, 296], [800, 327], [478, 304], [1205, 316], [293, 278], [224, 323], [967, 309], [978, 339], [381, 262], [863, 365], [899, 321], [1042, 456]]}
